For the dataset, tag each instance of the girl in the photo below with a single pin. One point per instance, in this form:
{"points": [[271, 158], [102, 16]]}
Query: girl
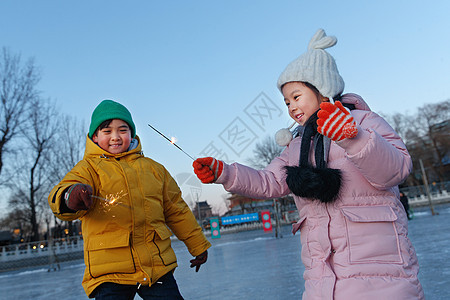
{"points": [[343, 168]]}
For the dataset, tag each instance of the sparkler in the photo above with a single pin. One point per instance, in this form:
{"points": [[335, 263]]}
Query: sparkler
{"points": [[172, 141], [110, 201]]}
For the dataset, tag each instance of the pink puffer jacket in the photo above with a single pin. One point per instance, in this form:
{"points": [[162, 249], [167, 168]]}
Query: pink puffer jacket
{"points": [[356, 247]]}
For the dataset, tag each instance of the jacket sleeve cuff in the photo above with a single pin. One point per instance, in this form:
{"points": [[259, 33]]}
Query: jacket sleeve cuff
{"points": [[224, 177], [356, 144], [63, 208]]}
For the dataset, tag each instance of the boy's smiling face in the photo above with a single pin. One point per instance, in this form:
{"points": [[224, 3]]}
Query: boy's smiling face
{"points": [[115, 138]]}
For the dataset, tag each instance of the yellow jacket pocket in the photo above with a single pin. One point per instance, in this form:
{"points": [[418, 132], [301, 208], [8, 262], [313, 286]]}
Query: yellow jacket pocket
{"points": [[110, 253], [162, 242]]}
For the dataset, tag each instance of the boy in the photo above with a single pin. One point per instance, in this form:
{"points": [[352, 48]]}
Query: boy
{"points": [[126, 201]]}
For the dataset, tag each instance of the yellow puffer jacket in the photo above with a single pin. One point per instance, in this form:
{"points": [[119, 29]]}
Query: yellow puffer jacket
{"points": [[125, 232]]}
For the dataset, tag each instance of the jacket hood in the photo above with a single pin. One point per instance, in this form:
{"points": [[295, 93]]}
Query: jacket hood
{"points": [[356, 100], [92, 149]]}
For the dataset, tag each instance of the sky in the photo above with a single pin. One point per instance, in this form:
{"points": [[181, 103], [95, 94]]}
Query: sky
{"points": [[205, 72]]}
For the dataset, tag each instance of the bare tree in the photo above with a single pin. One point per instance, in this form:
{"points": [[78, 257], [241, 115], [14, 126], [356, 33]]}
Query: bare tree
{"points": [[16, 219], [58, 156], [66, 153], [71, 141], [49, 148], [32, 124], [19, 217], [264, 152], [17, 89], [400, 123], [31, 185], [429, 137]]}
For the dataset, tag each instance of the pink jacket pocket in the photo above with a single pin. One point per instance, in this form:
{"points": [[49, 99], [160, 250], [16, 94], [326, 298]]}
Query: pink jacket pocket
{"points": [[371, 234], [296, 226], [304, 239]]}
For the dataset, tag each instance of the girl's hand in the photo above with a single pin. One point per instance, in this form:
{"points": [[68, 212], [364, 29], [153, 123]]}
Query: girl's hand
{"points": [[207, 169], [336, 122]]}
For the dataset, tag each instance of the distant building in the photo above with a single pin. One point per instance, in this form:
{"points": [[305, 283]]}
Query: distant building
{"points": [[205, 211]]}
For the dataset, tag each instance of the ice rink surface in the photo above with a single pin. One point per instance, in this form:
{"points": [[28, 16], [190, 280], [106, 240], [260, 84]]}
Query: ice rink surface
{"points": [[248, 265]]}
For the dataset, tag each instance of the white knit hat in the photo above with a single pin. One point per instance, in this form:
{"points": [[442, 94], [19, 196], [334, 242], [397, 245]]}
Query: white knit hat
{"points": [[316, 67]]}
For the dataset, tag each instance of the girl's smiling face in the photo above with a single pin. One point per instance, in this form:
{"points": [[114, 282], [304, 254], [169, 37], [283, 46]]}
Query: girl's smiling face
{"points": [[302, 101], [115, 138]]}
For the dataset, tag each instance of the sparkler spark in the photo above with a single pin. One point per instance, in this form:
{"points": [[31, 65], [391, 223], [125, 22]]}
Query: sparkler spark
{"points": [[110, 201], [172, 141]]}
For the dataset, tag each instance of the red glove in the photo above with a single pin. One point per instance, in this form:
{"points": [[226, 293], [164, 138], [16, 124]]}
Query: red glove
{"points": [[207, 169], [336, 122], [199, 260], [78, 197]]}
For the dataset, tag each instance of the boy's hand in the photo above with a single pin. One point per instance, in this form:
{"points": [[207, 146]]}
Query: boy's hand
{"points": [[336, 122], [78, 197], [199, 260], [207, 169]]}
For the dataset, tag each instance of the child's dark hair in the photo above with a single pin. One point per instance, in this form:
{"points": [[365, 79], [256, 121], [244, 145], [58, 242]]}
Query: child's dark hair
{"points": [[105, 124], [313, 88], [318, 94], [102, 125]]}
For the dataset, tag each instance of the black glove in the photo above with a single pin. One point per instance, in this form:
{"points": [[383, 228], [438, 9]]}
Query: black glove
{"points": [[78, 197], [199, 260]]}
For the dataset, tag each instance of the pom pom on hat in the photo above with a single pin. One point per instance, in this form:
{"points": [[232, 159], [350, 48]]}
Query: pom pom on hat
{"points": [[316, 67], [284, 136], [109, 109]]}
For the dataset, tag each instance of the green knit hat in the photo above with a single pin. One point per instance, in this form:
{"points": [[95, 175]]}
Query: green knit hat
{"points": [[107, 110]]}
